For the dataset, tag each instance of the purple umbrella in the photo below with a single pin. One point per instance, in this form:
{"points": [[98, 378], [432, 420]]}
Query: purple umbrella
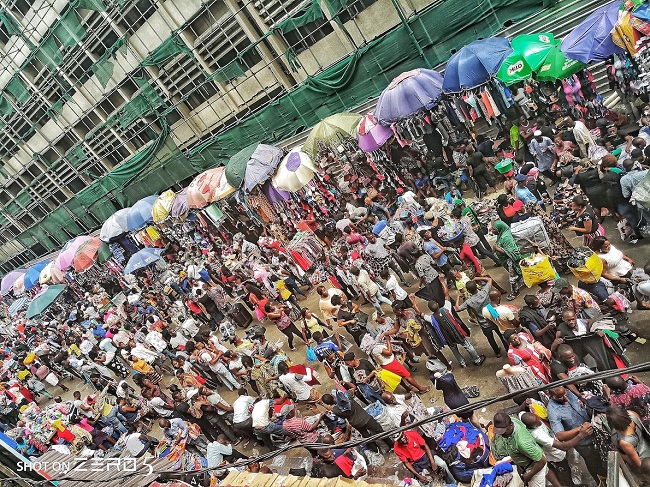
{"points": [[273, 194], [408, 94], [372, 135], [180, 208], [592, 40], [9, 279]]}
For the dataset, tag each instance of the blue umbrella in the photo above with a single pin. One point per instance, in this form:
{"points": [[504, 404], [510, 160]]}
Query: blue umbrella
{"points": [[592, 40], [411, 92], [33, 273], [140, 213], [475, 64], [16, 306], [141, 259]]}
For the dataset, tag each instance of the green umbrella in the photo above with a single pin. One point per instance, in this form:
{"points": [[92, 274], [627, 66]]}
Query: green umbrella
{"points": [[104, 253], [43, 301], [557, 66], [331, 130], [529, 52], [236, 167]]}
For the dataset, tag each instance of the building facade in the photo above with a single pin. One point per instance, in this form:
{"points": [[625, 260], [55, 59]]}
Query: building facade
{"points": [[106, 101]]}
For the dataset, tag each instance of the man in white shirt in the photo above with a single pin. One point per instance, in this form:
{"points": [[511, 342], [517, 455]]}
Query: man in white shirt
{"points": [[190, 327], [242, 421], [213, 360], [396, 291], [137, 444], [297, 383], [221, 452], [262, 423]]}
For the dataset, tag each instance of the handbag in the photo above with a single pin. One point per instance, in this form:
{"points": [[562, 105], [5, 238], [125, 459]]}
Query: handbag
{"points": [[311, 354]]}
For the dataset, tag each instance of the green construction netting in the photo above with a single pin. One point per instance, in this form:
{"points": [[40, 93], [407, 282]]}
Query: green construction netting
{"points": [[234, 69], [145, 102], [96, 5], [57, 221], [12, 208], [103, 67], [76, 156], [69, 30], [18, 90], [48, 53], [23, 199], [172, 46], [6, 108], [11, 25], [310, 12]]}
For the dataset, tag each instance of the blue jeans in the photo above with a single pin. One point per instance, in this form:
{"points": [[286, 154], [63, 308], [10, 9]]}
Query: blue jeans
{"points": [[369, 393], [630, 213]]}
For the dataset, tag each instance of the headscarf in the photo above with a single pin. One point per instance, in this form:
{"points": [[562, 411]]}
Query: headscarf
{"points": [[506, 241]]}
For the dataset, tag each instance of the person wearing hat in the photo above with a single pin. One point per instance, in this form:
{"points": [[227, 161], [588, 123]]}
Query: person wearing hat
{"points": [[542, 149], [521, 190], [565, 414], [416, 456], [572, 298], [512, 439]]}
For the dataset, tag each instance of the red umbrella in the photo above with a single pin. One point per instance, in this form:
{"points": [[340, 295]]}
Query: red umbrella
{"points": [[86, 254]]}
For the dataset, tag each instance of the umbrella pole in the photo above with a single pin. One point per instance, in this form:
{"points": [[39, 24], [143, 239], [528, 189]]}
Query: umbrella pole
{"points": [[410, 32]]}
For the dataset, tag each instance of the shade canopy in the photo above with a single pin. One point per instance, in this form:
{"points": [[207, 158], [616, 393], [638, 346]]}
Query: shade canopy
{"points": [[142, 258], [475, 64], [180, 208], [86, 254], [273, 194], [45, 277], [295, 170], [409, 93], [557, 66], [17, 306], [104, 253], [371, 134], [33, 273], [66, 257], [162, 207], [331, 131], [207, 187], [529, 52], [19, 285], [139, 215], [44, 300], [592, 40], [115, 226], [8, 281]]}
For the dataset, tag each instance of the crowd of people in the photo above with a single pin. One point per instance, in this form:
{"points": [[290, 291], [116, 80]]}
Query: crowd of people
{"points": [[177, 369]]}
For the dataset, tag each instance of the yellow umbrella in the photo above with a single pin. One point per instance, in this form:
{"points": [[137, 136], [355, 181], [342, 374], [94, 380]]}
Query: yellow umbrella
{"points": [[162, 207], [331, 131]]}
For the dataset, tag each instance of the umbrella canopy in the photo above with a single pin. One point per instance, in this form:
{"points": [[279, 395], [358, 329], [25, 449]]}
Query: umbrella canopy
{"points": [[273, 194], [629, 31], [180, 208], [330, 131], [529, 52], [475, 64], [371, 135], [207, 187], [16, 306], [141, 259], [19, 285], [8, 281], [86, 254], [140, 213], [557, 66], [104, 253], [65, 259], [33, 273], [592, 40], [411, 92], [43, 301], [114, 226], [162, 207], [295, 170], [252, 167], [45, 276]]}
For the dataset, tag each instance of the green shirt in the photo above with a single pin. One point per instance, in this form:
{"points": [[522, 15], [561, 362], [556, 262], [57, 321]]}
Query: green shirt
{"points": [[520, 446], [515, 140], [469, 212]]}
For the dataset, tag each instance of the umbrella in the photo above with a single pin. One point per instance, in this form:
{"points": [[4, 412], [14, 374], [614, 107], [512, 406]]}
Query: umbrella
{"points": [[372, 135], [295, 170], [252, 165], [8, 281], [66, 257], [207, 187], [180, 208], [140, 213], [114, 226], [273, 194], [629, 31], [557, 66], [19, 285], [104, 253], [475, 64], [143, 258], [16, 306], [592, 40], [45, 277], [86, 254], [162, 207], [33, 273], [43, 301], [331, 130], [411, 92], [528, 55]]}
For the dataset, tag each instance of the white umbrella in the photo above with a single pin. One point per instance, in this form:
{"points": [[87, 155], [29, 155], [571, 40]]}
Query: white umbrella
{"points": [[294, 172], [115, 226]]}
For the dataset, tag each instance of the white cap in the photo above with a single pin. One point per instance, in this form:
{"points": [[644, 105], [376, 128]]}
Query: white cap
{"points": [[537, 133]]}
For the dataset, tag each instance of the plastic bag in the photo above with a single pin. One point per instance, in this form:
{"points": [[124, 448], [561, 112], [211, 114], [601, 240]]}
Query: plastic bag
{"points": [[591, 271], [390, 379], [536, 269], [311, 355]]}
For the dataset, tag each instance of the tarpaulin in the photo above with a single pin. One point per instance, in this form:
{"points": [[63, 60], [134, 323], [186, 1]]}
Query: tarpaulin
{"points": [[172, 46]]}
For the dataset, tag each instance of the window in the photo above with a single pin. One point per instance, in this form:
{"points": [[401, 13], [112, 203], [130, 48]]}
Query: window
{"points": [[354, 9], [108, 146], [136, 15], [21, 6], [184, 78], [138, 133]]}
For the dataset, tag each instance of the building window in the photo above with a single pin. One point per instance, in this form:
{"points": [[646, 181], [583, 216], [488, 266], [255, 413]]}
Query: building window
{"points": [[106, 144], [353, 9], [184, 78], [136, 15]]}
